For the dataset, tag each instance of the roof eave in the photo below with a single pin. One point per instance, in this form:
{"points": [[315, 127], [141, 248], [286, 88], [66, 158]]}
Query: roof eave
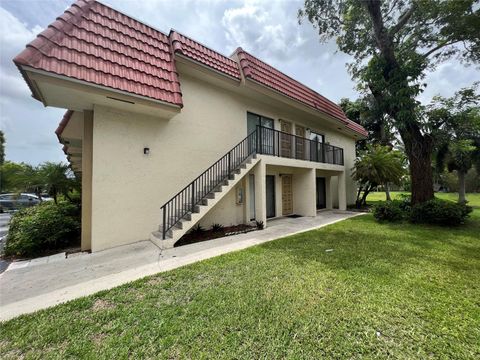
{"points": [[203, 66], [24, 68]]}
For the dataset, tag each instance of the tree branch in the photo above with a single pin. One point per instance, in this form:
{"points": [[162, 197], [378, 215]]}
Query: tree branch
{"points": [[403, 20], [440, 46]]}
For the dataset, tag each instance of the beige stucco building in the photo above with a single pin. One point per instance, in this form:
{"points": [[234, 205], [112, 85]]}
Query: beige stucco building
{"points": [[167, 133]]}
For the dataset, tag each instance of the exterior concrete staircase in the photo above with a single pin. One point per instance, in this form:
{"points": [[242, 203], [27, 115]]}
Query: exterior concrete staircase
{"points": [[190, 219]]}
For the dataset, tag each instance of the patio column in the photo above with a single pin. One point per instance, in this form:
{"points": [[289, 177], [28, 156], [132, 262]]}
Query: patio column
{"points": [[328, 193], [342, 191], [259, 172], [87, 159], [304, 192]]}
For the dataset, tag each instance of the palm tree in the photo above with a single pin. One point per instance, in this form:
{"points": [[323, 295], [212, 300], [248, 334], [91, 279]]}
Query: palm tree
{"points": [[57, 179], [378, 165]]}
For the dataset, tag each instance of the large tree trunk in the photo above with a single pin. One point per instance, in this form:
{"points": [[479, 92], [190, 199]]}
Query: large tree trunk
{"points": [[418, 146], [461, 187], [419, 149], [421, 176]]}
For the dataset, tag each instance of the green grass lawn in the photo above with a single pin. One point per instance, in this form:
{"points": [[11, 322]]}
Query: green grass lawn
{"points": [[473, 198], [385, 291]]}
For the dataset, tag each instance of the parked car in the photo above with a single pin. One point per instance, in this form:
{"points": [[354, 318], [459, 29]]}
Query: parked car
{"points": [[19, 201]]}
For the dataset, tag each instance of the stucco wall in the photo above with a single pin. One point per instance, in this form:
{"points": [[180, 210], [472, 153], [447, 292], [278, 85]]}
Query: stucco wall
{"points": [[129, 187], [227, 212]]}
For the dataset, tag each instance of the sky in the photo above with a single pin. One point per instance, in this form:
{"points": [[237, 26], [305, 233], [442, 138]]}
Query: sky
{"points": [[268, 29]]}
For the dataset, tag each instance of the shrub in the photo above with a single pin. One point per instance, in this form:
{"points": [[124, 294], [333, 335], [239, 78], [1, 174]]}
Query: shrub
{"points": [[405, 202], [391, 210], [440, 212], [42, 227], [217, 227], [197, 229], [260, 225]]}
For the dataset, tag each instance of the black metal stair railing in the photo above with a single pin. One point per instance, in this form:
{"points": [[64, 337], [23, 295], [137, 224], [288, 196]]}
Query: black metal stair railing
{"points": [[185, 200], [264, 141]]}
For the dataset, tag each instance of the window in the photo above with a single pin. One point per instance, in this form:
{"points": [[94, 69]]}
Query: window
{"points": [[317, 137], [253, 120], [266, 136]]}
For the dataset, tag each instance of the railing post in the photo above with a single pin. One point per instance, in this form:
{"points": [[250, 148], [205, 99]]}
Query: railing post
{"points": [[294, 145], [229, 162], [260, 138], [164, 224], [334, 156], [324, 159], [193, 196], [273, 141]]}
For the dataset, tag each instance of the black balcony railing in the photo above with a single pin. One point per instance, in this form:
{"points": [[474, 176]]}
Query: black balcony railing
{"points": [[264, 141], [282, 144]]}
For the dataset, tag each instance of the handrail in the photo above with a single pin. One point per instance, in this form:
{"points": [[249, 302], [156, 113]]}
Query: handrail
{"points": [[263, 140], [190, 196]]}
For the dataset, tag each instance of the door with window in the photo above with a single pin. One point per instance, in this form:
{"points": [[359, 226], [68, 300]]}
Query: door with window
{"points": [[287, 195], [286, 139], [317, 147], [264, 140]]}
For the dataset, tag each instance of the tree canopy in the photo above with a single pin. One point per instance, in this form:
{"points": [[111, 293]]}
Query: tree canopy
{"points": [[393, 44], [455, 124]]}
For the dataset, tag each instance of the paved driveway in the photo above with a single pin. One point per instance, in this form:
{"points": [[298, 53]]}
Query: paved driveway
{"points": [[40, 283]]}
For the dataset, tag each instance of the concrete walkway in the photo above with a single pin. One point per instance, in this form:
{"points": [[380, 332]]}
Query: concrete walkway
{"points": [[33, 285]]}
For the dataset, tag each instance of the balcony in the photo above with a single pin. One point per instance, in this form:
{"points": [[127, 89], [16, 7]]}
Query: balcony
{"points": [[267, 141]]}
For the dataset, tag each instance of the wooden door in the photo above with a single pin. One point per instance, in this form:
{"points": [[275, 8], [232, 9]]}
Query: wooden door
{"points": [[300, 142], [287, 195], [286, 140]]}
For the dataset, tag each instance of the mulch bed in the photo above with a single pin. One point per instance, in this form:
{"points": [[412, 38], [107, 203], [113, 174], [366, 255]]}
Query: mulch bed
{"points": [[195, 236]]}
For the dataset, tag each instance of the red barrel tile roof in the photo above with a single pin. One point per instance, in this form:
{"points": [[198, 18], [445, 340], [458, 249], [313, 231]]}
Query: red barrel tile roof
{"points": [[204, 55], [96, 44], [260, 72]]}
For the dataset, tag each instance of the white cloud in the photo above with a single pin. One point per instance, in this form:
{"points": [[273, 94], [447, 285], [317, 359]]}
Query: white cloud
{"points": [[26, 123], [267, 29], [13, 32]]}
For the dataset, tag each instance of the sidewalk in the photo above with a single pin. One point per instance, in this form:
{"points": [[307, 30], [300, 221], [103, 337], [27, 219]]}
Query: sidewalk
{"points": [[33, 285]]}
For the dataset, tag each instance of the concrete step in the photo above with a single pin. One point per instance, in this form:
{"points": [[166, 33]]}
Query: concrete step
{"points": [[208, 202]]}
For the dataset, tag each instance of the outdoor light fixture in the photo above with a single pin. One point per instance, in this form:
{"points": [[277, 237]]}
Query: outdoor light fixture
{"points": [[146, 150]]}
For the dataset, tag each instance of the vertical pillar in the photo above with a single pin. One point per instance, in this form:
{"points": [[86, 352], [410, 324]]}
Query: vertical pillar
{"points": [[342, 191], [260, 192], [328, 193], [87, 160], [311, 187]]}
